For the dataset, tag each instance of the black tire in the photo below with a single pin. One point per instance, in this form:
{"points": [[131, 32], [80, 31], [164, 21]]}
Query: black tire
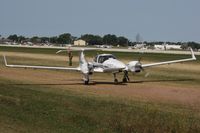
{"points": [[124, 80], [86, 82]]}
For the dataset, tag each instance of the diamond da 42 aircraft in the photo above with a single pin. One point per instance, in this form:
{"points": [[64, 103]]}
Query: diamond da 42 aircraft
{"points": [[104, 63]]}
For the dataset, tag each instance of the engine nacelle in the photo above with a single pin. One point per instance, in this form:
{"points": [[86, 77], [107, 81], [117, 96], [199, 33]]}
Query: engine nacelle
{"points": [[134, 66]]}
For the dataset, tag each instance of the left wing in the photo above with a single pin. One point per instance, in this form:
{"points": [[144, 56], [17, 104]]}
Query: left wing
{"points": [[170, 62], [39, 67]]}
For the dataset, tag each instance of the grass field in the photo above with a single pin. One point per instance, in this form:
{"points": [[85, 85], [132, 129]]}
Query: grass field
{"points": [[168, 100]]}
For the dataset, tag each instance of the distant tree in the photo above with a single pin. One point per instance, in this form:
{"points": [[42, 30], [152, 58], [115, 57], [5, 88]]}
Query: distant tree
{"points": [[44, 39], [178, 43], [92, 39], [122, 41], [194, 45], [65, 38], [53, 39], [35, 39], [21, 39], [110, 39], [73, 38], [13, 38]]}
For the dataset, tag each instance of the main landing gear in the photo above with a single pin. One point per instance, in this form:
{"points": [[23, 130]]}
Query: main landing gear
{"points": [[86, 79], [86, 82], [115, 78], [125, 78]]}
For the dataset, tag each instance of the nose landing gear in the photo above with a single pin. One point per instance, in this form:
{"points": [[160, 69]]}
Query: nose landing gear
{"points": [[86, 79], [115, 78]]}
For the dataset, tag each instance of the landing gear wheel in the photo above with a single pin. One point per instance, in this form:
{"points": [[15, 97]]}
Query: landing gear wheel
{"points": [[116, 81], [86, 82], [124, 80]]}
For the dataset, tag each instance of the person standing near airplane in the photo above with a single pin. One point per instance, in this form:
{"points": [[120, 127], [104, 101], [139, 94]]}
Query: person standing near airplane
{"points": [[69, 52]]}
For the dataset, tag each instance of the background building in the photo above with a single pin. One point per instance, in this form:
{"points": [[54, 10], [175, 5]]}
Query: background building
{"points": [[79, 43]]}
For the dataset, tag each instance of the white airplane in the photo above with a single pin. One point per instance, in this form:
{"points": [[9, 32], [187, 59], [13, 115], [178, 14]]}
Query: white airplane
{"points": [[139, 46], [104, 63]]}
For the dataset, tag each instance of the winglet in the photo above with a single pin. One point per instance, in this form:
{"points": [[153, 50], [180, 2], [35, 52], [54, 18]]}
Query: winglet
{"points": [[192, 52], [5, 61]]}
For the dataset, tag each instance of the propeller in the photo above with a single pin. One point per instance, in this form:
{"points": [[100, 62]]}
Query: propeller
{"points": [[139, 64]]}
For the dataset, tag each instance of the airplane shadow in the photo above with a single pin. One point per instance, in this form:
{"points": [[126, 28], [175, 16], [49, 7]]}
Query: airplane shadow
{"points": [[68, 84], [161, 80], [107, 83], [100, 82]]}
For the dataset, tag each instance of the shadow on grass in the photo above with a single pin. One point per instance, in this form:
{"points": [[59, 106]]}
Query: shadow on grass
{"points": [[66, 84], [101, 82], [161, 80]]}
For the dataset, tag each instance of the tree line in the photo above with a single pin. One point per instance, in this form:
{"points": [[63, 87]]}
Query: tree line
{"points": [[108, 39], [67, 38]]}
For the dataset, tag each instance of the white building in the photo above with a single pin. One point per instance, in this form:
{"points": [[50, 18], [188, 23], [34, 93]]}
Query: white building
{"points": [[80, 43]]}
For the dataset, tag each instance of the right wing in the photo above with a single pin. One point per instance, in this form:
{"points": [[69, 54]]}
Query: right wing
{"points": [[171, 62], [39, 67]]}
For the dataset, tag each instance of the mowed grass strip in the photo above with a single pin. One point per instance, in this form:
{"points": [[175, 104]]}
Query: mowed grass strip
{"points": [[26, 108], [40, 111]]}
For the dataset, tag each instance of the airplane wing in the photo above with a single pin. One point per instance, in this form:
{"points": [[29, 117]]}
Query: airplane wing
{"points": [[170, 62], [39, 67]]}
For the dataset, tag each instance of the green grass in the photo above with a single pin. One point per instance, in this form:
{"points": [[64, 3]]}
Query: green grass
{"points": [[39, 108], [43, 111], [29, 50]]}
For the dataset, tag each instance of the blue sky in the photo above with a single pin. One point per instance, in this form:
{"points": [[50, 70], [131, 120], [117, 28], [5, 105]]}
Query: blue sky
{"points": [[154, 20]]}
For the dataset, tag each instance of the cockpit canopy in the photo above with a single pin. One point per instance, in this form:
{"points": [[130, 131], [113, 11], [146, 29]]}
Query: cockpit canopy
{"points": [[103, 57]]}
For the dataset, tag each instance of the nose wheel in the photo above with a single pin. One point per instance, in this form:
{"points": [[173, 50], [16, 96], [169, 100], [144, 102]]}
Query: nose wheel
{"points": [[115, 81], [124, 80], [86, 79], [115, 78], [86, 82]]}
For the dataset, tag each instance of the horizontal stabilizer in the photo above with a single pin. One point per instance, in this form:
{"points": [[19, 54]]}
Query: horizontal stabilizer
{"points": [[85, 49]]}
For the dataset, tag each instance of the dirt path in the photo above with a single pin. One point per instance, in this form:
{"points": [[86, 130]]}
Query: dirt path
{"points": [[161, 90], [149, 90]]}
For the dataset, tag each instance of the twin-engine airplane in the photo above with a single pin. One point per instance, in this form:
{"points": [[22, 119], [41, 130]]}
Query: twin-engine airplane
{"points": [[104, 63]]}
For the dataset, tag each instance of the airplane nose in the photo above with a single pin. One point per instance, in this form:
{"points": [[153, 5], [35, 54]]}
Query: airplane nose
{"points": [[121, 65], [126, 68], [115, 64]]}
